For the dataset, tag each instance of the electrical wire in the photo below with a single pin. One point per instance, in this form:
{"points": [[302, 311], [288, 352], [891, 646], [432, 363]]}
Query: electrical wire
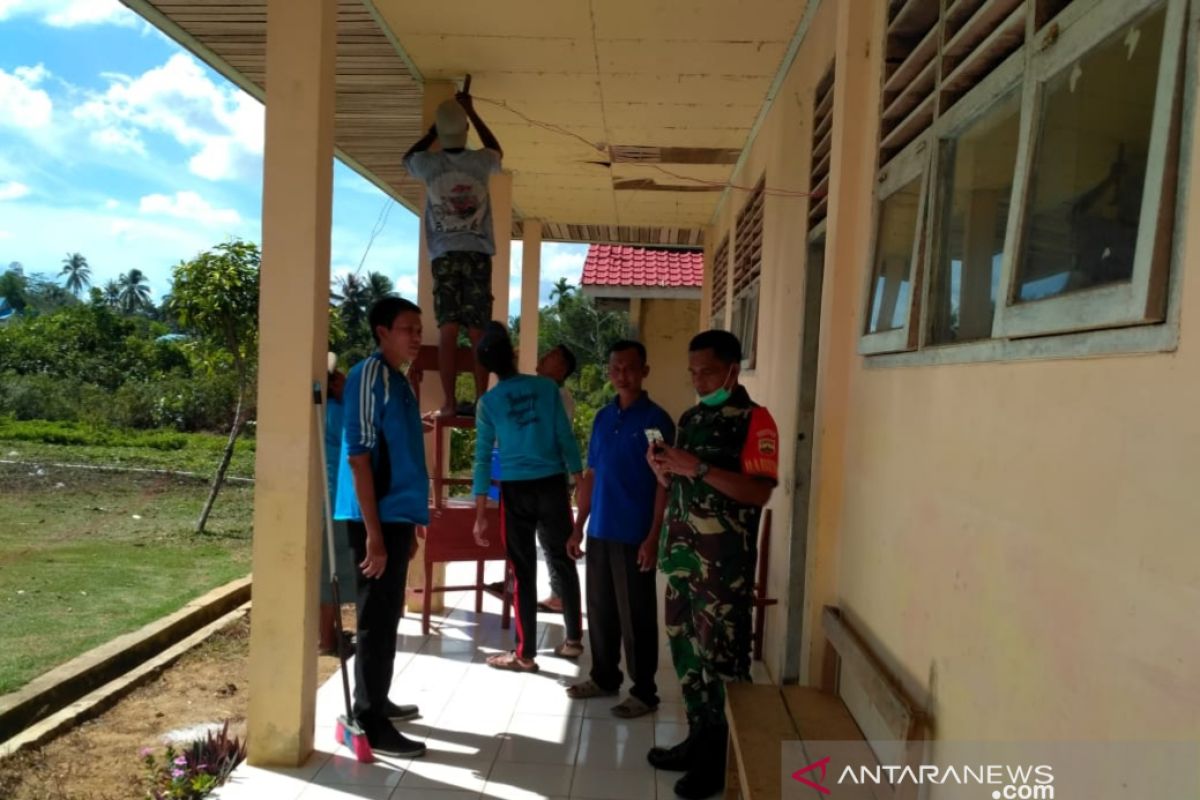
{"points": [[558, 129], [385, 211]]}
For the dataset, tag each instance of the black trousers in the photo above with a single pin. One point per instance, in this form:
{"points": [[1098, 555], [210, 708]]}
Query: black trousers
{"points": [[379, 604], [622, 610], [544, 501]]}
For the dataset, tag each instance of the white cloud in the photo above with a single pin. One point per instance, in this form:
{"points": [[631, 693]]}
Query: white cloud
{"points": [[113, 242], [559, 260], [118, 140], [71, 13], [13, 190], [220, 124], [111, 204], [189, 206], [22, 105], [5, 235]]}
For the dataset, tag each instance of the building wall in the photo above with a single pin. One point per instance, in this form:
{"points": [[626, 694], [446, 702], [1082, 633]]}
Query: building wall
{"points": [[666, 327], [781, 152], [1017, 540]]}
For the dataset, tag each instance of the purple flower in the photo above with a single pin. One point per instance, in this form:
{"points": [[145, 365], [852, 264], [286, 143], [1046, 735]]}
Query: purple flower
{"points": [[181, 761], [177, 773], [202, 767], [145, 752]]}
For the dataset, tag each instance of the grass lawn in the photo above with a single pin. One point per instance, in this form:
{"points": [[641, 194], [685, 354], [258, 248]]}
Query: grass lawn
{"points": [[73, 443], [86, 556]]}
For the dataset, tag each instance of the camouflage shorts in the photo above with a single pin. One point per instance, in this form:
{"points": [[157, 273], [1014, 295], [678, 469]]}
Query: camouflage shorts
{"points": [[462, 289]]}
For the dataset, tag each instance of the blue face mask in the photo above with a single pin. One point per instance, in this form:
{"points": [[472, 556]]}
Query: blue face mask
{"points": [[720, 396]]}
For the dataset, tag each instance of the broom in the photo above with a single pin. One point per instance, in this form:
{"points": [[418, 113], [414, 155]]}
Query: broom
{"points": [[348, 732]]}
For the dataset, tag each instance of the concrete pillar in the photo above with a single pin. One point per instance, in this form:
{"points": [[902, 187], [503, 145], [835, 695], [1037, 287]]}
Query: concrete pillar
{"points": [[858, 48], [294, 325], [531, 281], [502, 222], [436, 92], [635, 317], [711, 232]]}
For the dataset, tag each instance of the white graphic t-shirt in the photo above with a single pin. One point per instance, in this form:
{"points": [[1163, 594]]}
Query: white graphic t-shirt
{"points": [[458, 213]]}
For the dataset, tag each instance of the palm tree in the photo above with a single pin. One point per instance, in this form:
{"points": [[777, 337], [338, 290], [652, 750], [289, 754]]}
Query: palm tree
{"points": [[77, 272], [112, 294], [560, 292], [378, 286], [134, 291], [350, 298]]}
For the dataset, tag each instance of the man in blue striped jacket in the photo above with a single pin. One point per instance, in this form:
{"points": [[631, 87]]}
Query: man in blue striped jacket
{"points": [[383, 494]]}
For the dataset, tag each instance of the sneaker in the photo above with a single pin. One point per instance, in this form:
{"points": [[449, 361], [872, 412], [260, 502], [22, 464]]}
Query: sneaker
{"points": [[387, 741], [399, 713]]}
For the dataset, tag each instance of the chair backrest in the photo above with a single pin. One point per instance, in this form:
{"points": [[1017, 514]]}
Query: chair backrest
{"points": [[893, 724], [427, 359]]}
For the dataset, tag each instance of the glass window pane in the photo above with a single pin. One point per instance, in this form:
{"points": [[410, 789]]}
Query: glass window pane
{"points": [[893, 259], [1090, 165], [975, 180]]}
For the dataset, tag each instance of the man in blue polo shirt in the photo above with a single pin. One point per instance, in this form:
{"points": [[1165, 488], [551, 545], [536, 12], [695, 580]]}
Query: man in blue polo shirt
{"points": [[618, 493]]}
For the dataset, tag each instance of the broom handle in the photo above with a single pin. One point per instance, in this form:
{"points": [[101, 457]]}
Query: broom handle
{"points": [[333, 577]]}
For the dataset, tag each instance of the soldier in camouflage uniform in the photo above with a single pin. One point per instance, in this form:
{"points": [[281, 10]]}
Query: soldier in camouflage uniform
{"points": [[716, 480]]}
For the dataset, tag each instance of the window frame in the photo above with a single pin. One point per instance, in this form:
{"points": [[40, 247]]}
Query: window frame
{"points": [[744, 318], [1068, 36], [1080, 28], [973, 106], [909, 164]]}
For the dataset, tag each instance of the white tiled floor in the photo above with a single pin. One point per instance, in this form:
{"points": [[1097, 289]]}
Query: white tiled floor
{"points": [[490, 734]]}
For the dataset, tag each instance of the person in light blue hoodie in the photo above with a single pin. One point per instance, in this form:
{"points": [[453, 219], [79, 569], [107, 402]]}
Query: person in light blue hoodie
{"points": [[524, 415]]}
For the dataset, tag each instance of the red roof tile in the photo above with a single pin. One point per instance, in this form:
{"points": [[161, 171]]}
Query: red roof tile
{"points": [[615, 265]]}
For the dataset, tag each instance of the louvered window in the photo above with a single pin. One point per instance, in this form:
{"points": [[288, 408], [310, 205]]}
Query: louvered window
{"points": [[747, 267], [1027, 159], [822, 151], [720, 284]]}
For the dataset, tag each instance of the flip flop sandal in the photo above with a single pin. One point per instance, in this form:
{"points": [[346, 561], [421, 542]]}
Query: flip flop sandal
{"points": [[571, 650], [588, 689], [509, 662], [632, 708]]}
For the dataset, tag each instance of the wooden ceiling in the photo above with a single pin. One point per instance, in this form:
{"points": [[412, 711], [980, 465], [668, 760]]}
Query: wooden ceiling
{"points": [[618, 127], [378, 110]]}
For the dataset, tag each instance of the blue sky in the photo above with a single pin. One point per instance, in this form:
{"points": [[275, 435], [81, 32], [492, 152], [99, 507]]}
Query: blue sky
{"points": [[117, 143]]}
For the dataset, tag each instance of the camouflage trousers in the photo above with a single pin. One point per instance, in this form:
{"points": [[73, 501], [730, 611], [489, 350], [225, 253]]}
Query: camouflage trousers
{"points": [[708, 621], [462, 289]]}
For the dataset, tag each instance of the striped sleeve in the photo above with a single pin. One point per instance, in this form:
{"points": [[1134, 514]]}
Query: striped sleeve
{"points": [[362, 407]]}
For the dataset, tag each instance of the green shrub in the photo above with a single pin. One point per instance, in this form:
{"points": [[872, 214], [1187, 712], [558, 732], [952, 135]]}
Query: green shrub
{"points": [[182, 403], [77, 433]]}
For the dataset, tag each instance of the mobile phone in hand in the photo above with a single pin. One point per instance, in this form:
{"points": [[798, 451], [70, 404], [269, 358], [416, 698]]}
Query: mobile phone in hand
{"points": [[655, 437]]}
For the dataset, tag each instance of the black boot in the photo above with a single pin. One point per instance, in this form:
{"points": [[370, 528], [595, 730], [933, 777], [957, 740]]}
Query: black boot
{"points": [[673, 759], [706, 776]]}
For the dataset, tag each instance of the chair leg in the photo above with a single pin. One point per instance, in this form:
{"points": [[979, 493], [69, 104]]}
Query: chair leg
{"points": [[760, 613], [427, 600], [506, 614], [479, 587]]}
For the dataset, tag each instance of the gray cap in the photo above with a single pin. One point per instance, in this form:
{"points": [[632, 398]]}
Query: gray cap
{"points": [[452, 125]]}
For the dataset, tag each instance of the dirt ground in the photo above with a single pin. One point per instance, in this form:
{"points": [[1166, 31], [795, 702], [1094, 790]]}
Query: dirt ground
{"points": [[99, 760]]}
